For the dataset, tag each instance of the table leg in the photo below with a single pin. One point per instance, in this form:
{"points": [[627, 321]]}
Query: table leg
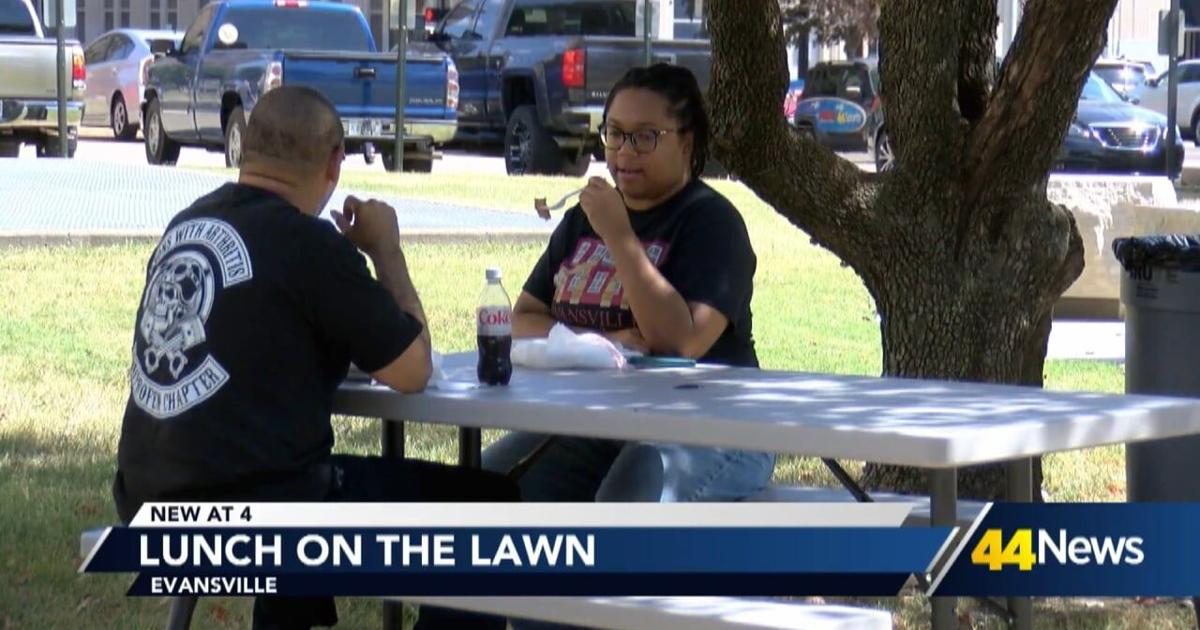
{"points": [[393, 438], [393, 447], [1020, 488], [470, 447], [943, 512]]}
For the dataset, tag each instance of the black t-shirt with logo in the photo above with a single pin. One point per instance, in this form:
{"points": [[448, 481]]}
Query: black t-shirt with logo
{"points": [[696, 239], [250, 317]]}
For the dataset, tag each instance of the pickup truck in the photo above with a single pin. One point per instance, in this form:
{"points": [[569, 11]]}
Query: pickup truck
{"points": [[28, 84], [535, 74], [237, 50]]}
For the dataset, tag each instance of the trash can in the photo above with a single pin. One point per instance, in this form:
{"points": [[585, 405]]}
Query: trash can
{"points": [[1160, 288]]}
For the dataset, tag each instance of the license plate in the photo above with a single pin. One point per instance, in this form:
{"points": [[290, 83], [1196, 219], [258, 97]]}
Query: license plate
{"points": [[364, 127]]}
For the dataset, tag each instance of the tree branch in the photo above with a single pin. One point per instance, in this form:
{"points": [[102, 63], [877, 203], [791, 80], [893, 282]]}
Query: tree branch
{"points": [[1029, 111], [976, 57], [817, 191], [919, 72]]}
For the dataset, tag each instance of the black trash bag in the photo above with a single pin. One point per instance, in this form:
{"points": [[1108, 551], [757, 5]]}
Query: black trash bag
{"points": [[1171, 251]]}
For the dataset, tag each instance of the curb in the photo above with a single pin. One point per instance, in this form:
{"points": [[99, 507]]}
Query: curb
{"points": [[102, 238]]}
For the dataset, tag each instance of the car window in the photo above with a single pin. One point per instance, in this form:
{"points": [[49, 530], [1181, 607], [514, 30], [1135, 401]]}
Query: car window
{"points": [[534, 18], [162, 44], [460, 20], [194, 38], [97, 52], [1124, 77], [835, 81], [1097, 91], [298, 28], [1189, 73], [121, 48], [489, 15], [15, 18]]}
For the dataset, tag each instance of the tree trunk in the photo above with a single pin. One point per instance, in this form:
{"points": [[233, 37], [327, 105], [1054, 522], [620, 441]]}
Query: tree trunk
{"points": [[958, 244], [852, 45]]}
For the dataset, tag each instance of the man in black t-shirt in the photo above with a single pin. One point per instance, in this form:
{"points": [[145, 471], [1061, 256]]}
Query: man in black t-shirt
{"points": [[252, 311]]}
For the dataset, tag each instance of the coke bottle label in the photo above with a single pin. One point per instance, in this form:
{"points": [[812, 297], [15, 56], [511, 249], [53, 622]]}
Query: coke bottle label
{"points": [[494, 321]]}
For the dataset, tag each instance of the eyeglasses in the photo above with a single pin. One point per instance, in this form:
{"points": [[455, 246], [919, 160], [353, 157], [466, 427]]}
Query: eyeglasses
{"points": [[643, 140]]}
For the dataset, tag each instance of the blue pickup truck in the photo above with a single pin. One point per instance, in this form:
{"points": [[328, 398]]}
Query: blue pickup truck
{"points": [[236, 50], [536, 73]]}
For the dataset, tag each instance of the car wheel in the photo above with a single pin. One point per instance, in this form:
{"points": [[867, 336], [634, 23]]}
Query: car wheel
{"points": [[529, 149], [885, 159], [121, 128], [10, 149], [235, 131], [577, 167], [160, 149]]}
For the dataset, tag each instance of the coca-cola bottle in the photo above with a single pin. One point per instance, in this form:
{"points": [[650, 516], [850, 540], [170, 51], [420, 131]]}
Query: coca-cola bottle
{"points": [[493, 319]]}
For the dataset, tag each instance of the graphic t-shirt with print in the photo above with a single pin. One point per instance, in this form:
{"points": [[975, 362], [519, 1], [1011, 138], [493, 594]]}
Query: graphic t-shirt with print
{"points": [[250, 317], [696, 239]]}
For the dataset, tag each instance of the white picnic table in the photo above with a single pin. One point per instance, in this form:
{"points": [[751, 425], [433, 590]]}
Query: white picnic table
{"points": [[936, 425]]}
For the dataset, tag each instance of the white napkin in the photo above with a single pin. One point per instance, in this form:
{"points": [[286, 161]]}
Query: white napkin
{"points": [[565, 349]]}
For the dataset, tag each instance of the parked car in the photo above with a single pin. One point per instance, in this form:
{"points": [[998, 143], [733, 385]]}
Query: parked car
{"points": [[1187, 109], [29, 84], [1107, 135], [535, 74], [840, 105], [236, 50], [1110, 135], [118, 63], [1125, 76]]}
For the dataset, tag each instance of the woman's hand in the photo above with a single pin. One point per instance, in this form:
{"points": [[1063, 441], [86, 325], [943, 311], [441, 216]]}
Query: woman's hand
{"points": [[605, 210]]}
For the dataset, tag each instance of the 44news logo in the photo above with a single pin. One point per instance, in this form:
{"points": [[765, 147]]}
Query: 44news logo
{"points": [[1056, 547]]}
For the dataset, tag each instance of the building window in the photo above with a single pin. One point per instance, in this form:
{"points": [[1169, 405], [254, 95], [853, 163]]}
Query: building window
{"points": [[109, 15], [155, 14], [173, 14], [125, 13]]}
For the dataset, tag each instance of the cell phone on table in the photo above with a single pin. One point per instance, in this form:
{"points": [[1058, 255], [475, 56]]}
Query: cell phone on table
{"points": [[646, 361]]}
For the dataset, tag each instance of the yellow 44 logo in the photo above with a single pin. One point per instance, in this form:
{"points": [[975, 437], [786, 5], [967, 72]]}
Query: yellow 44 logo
{"points": [[993, 552]]}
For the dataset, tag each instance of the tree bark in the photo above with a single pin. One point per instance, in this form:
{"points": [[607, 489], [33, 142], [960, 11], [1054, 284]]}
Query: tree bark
{"points": [[958, 245]]}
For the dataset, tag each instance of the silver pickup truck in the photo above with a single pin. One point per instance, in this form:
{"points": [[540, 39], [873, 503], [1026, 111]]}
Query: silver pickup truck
{"points": [[28, 94]]}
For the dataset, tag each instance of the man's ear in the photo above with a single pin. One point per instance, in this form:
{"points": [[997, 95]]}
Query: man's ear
{"points": [[333, 170]]}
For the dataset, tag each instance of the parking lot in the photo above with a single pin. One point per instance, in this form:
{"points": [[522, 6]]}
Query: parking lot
{"points": [[98, 145]]}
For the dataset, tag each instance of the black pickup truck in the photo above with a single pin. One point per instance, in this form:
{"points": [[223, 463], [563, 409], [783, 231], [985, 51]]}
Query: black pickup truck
{"points": [[534, 74]]}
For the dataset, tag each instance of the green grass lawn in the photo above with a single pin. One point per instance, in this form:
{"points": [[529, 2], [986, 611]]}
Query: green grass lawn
{"points": [[67, 324]]}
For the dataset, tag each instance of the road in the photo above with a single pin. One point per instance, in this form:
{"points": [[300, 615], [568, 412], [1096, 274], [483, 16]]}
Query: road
{"points": [[97, 145]]}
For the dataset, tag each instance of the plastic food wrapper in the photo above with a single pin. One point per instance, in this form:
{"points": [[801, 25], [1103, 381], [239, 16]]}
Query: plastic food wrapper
{"points": [[565, 349]]}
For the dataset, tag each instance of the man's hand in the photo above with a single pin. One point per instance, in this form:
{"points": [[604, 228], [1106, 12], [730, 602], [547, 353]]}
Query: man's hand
{"points": [[630, 338], [605, 210], [370, 225]]}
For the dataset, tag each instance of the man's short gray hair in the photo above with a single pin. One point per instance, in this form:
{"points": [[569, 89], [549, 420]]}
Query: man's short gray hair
{"points": [[294, 128]]}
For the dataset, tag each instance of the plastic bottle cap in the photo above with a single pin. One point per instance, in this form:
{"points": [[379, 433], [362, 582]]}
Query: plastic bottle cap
{"points": [[493, 274]]}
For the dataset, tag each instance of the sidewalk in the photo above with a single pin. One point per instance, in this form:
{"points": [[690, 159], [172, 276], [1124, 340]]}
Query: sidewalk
{"points": [[1087, 340], [67, 198]]}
